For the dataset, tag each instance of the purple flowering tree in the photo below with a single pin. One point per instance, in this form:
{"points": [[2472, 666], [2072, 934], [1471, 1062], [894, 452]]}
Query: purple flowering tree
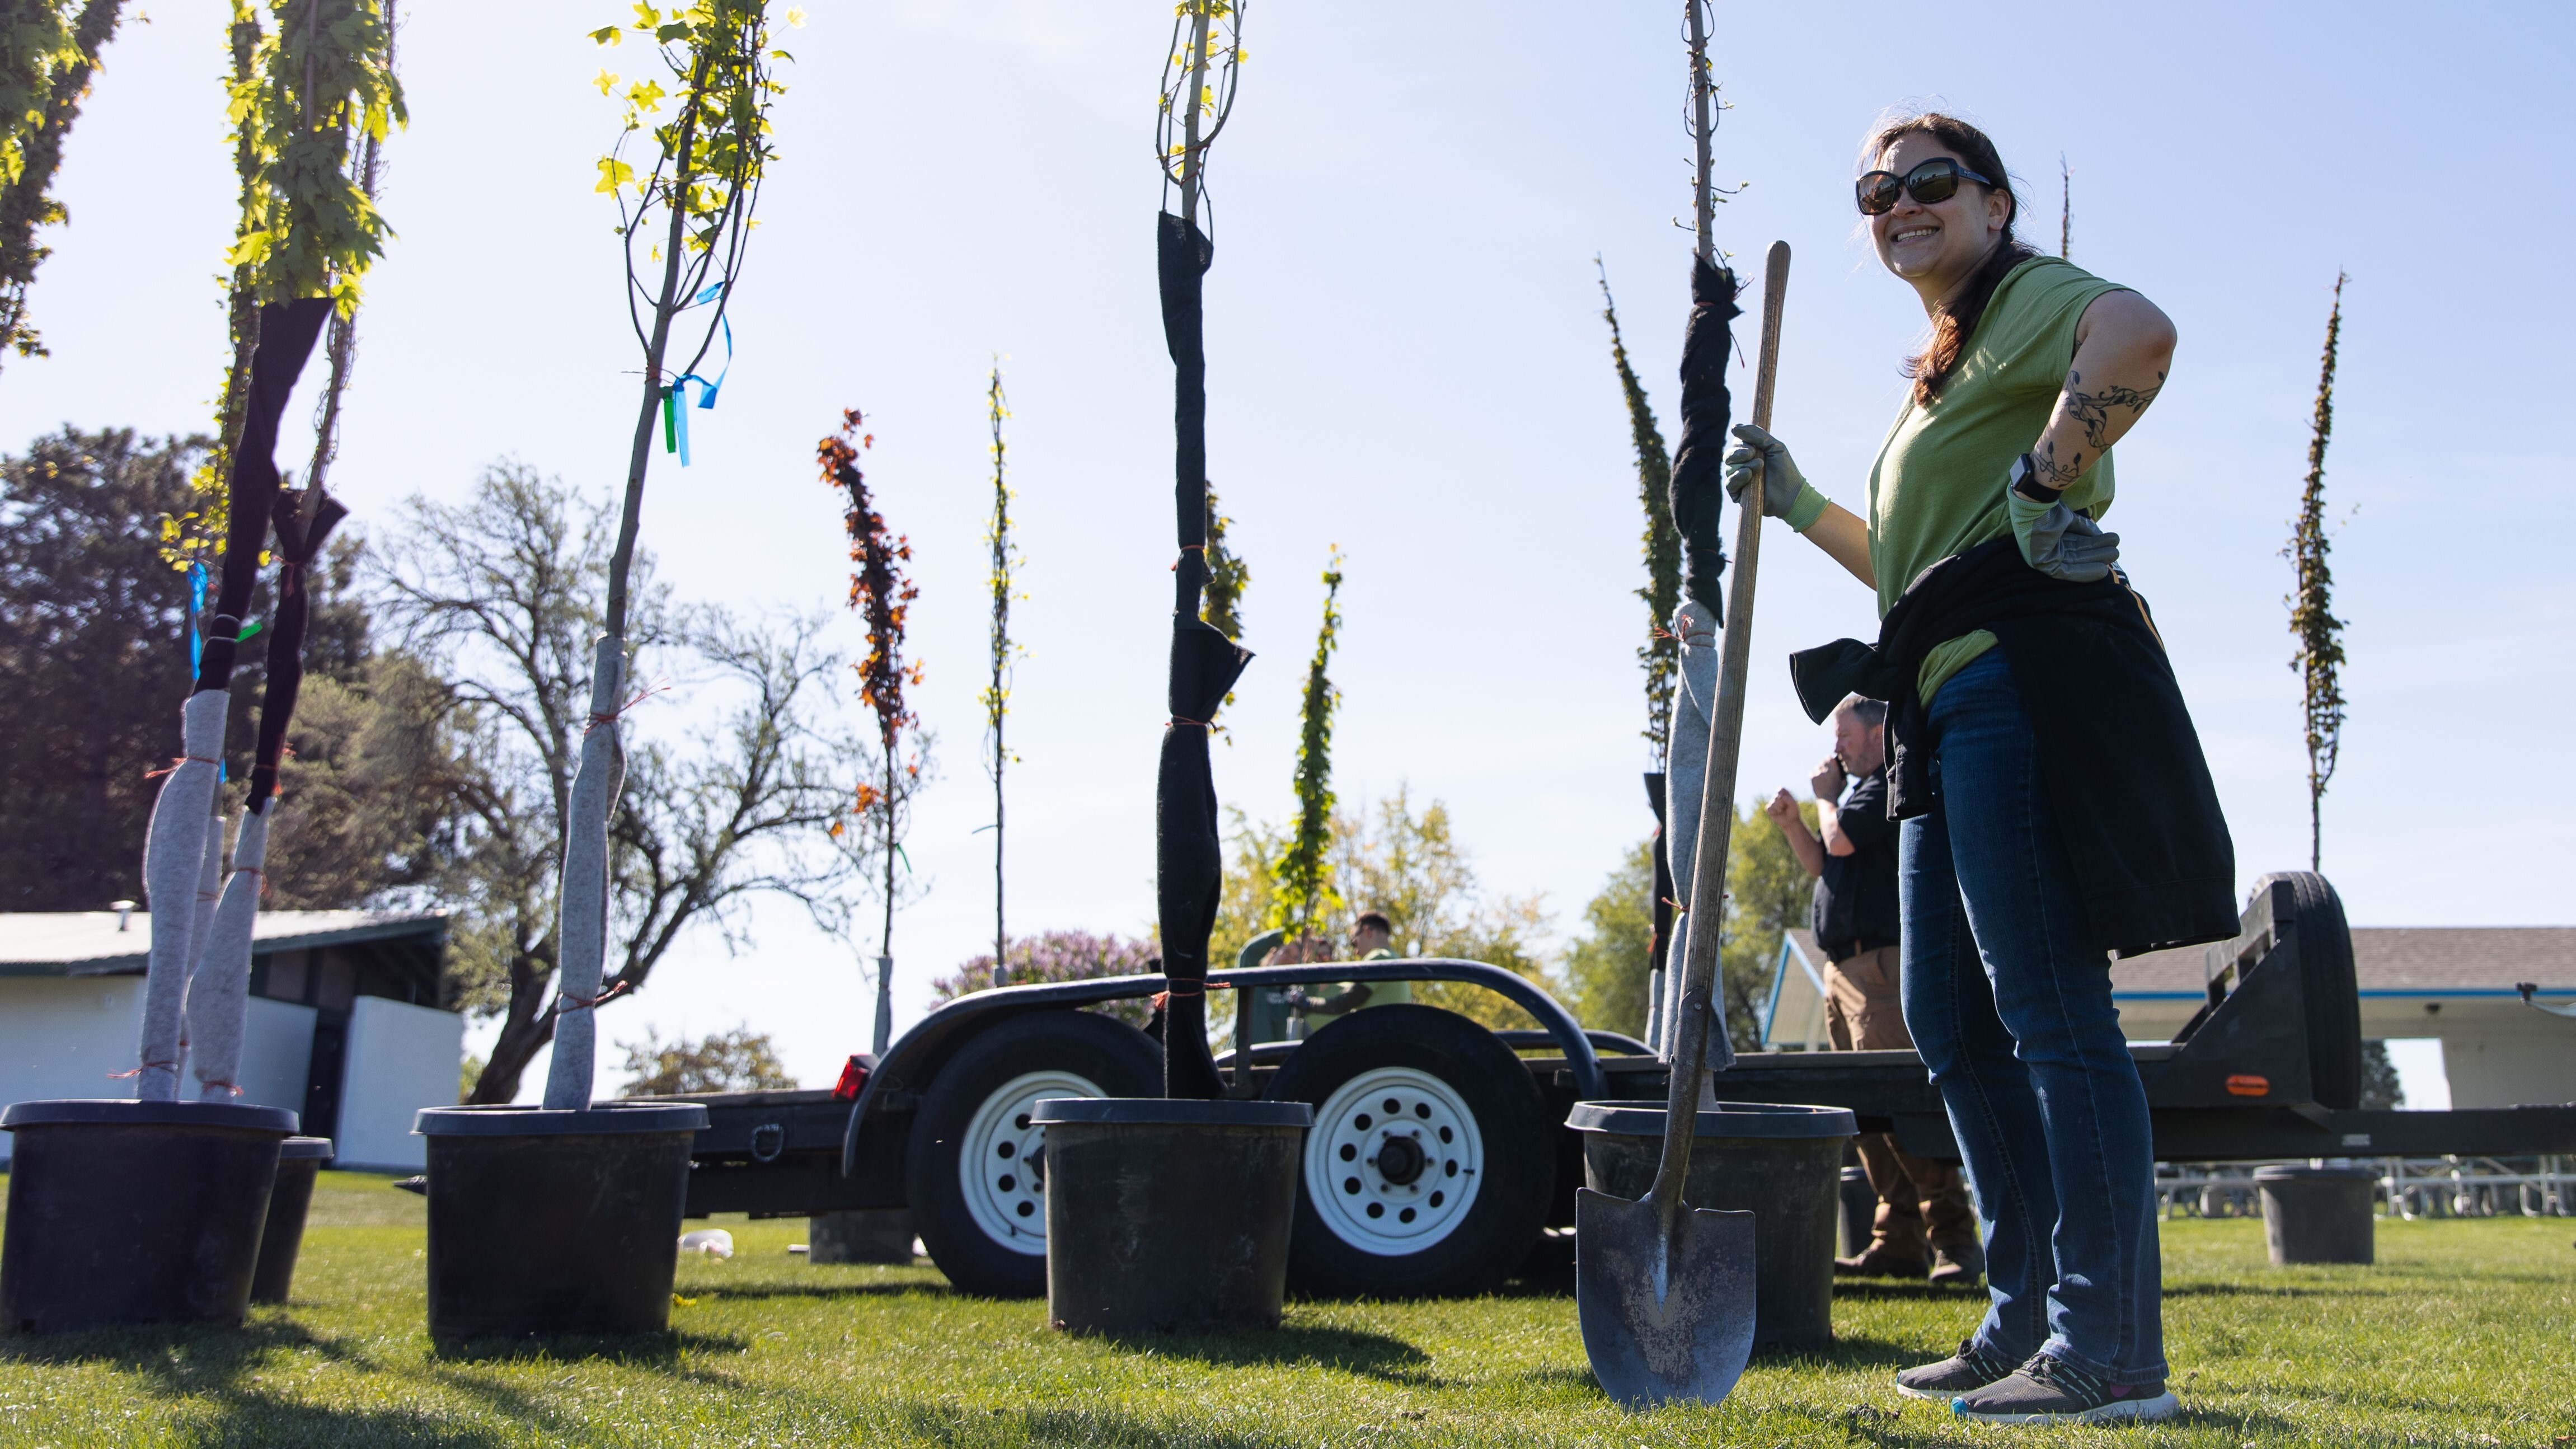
{"points": [[1056, 956]]}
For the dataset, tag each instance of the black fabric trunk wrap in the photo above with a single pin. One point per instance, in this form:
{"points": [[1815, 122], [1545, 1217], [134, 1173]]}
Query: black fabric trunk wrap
{"points": [[299, 540], [286, 334], [1663, 886], [1699, 491], [1188, 858]]}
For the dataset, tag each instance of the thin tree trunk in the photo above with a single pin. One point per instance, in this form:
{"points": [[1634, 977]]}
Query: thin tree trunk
{"points": [[1190, 120], [341, 342], [584, 894], [1000, 939], [884, 1033], [1000, 700], [1703, 199]]}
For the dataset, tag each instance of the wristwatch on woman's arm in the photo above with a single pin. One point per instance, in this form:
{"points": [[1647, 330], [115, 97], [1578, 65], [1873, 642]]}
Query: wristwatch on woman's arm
{"points": [[2055, 539], [2025, 480]]}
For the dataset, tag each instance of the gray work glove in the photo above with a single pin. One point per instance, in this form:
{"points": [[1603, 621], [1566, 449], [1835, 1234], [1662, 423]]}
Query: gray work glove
{"points": [[2060, 542], [1763, 456]]}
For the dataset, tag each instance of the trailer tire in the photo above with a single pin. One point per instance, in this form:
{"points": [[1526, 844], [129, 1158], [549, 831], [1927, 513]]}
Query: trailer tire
{"points": [[2327, 983], [1469, 1192], [989, 1236]]}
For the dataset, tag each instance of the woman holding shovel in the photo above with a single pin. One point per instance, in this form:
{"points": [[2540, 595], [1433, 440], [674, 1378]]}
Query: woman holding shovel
{"points": [[2055, 804]]}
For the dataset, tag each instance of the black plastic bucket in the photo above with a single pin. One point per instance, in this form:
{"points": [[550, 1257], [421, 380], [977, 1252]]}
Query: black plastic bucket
{"points": [[134, 1212], [545, 1221], [298, 1163], [1859, 1212], [860, 1235], [1783, 1164], [1168, 1216], [2318, 1214]]}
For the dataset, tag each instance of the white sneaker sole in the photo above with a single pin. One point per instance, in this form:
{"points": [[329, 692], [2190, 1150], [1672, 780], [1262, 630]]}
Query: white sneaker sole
{"points": [[2162, 1406], [1929, 1396]]}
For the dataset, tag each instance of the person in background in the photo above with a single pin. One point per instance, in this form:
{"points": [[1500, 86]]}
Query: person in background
{"points": [[1372, 939], [1924, 1222]]}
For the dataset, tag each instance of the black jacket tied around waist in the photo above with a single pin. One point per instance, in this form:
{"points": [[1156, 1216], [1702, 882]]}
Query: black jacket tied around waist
{"points": [[2117, 752]]}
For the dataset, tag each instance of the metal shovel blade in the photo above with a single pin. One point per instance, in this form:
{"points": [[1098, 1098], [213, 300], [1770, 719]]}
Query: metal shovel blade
{"points": [[1667, 1314]]}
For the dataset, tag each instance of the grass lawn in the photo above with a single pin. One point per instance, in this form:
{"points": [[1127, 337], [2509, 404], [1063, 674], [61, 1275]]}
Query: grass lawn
{"points": [[2464, 1333]]}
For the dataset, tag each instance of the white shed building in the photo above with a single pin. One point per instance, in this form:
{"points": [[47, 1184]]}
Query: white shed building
{"points": [[344, 1022]]}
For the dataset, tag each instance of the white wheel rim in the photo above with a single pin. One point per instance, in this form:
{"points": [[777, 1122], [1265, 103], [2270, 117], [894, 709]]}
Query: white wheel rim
{"points": [[1369, 1206], [1001, 1163]]}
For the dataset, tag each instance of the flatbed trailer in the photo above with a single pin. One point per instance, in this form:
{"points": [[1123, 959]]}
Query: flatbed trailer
{"points": [[1439, 1152]]}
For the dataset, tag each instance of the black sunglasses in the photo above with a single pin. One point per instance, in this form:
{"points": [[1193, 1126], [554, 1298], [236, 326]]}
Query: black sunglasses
{"points": [[1935, 180]]}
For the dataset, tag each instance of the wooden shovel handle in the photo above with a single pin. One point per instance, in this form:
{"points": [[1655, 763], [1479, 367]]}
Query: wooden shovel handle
{"points": [[1717, 795]]}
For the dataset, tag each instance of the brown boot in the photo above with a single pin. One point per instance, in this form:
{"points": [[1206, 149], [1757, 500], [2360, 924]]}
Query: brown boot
{"points": [[1879, 1262], [1959, 1267]]}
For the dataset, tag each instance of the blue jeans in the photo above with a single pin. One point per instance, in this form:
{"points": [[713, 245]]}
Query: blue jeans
{"points": [[2011, 1009]]}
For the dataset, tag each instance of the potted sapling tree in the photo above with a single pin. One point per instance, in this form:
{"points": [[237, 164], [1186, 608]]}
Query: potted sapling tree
{"points": [[152, 1209], [565, 1217], [883, 594], [1171, 1214]]}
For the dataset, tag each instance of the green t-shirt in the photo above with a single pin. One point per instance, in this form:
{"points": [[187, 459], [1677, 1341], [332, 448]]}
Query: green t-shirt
{"points": [[1387, 993], [1938, 486]]}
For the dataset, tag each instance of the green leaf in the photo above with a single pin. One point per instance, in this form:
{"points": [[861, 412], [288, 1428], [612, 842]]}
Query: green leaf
{"points": [[250, 251]]}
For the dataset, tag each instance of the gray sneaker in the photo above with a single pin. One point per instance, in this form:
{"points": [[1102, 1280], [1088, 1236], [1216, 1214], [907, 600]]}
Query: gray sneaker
{"points": [[2051, 1391], [1969, 1369]]}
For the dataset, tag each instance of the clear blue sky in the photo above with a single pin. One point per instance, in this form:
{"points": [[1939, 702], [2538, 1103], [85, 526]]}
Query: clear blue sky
{"points": [[1407, 359]]}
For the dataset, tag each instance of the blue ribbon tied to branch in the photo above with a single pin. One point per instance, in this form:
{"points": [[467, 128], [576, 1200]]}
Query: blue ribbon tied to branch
{"points": [[675, 398]]}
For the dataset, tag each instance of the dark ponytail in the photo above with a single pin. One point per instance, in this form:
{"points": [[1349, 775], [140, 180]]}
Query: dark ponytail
{"points": [[1955, 321]]}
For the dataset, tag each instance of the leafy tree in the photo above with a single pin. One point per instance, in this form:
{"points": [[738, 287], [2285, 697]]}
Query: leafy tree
{"points": [[1660, 655], [1302, 893], [502, 594], [2065, 206], [313, 97], [93, 640], [1057, 956], [322, 79], [48, 49], [1227, 578], [2319, 657], [698, 193], [1767, 892], [740, 1060], [997, 695], [1409, 867], [1606, 969], [882, 593], [374, 780], [2381, 1090]]}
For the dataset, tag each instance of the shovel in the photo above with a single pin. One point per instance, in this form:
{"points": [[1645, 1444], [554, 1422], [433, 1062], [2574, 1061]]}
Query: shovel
{"points": [[1665, 1290]]}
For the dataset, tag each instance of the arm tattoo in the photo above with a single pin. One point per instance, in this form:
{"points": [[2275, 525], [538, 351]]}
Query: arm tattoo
{"points": [[2053, 473], [2093, 409]]}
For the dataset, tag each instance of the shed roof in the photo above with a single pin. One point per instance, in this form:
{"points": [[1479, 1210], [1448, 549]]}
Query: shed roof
{"points": [[88, 943], [2399, 961]]}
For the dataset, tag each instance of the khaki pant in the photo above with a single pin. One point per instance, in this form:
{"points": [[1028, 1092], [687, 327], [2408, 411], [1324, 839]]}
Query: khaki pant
{"points": [[1921, 1204]]}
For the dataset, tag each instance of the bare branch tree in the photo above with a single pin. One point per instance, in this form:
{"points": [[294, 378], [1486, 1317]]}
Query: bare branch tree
{"points": [[504, 594]]}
